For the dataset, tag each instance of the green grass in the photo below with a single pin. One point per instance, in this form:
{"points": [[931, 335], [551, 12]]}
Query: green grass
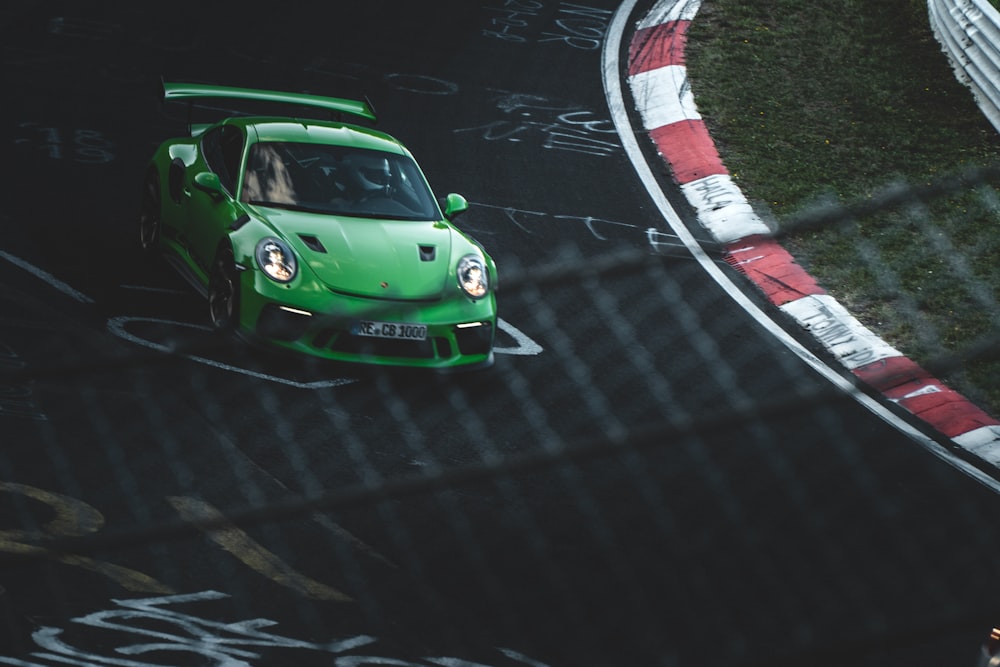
{"points": [[819, 102]]}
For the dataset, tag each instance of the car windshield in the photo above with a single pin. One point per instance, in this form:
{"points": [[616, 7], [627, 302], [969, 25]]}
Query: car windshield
{"points": [[337, 180]]}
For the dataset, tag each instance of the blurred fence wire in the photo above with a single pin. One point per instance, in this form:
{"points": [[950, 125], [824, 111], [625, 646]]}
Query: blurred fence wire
{"points": [[666, 468]]}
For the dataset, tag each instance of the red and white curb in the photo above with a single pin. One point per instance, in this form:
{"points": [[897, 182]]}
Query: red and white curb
{"points": [[657, 78]]}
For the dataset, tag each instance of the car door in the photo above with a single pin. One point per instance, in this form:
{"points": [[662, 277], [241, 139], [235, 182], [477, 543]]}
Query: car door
{"points": [[211, 192]]}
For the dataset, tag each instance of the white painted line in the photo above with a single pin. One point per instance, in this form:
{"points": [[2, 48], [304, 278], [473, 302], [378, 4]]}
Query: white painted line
{"points": [[47, 277], [525, 346], [116, 325], [611, 69]]}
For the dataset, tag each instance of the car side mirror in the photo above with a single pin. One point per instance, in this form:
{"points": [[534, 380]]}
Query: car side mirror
{"points": [[209, 183], [454, 204]]}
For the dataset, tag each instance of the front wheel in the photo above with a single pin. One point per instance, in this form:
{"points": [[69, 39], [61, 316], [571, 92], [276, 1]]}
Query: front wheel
{"points": [[224, 291]]}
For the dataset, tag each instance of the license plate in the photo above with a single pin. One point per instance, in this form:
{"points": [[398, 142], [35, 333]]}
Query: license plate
{"points": [[396, 330]]}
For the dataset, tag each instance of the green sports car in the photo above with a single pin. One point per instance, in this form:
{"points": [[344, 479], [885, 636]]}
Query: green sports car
{"points": [[320, 236]]}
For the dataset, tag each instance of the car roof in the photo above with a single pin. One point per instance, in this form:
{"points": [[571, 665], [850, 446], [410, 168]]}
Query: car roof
{"points": [[318, 132]]}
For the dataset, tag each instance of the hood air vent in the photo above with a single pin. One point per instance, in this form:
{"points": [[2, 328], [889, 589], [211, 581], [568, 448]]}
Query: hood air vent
{"points": [[427, 253], [312, 243]]}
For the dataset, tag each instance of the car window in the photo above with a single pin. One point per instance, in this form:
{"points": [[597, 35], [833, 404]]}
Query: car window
{"points": [[337, 180], [223, 147], [268, 178]]}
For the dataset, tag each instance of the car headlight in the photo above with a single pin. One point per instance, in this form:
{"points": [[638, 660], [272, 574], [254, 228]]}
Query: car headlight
{"points": [[472, 276], [275, 258]]}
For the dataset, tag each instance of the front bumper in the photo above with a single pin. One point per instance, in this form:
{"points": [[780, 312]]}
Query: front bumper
{"points": [[318, 322]]}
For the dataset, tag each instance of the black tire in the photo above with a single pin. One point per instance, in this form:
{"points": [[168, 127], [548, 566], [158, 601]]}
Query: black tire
{"points": [[149, 213], [224, 291]]}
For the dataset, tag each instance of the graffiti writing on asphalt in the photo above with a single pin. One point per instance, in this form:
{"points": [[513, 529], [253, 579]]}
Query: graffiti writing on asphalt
{"points": [[68, 518], [83, 146], [78, 34], [510, 18], [148, 34], [552, 126], [16, 398], [361, 74], [251, 553], [157, 625], [82, 28], [576, 26], [529, 221]]}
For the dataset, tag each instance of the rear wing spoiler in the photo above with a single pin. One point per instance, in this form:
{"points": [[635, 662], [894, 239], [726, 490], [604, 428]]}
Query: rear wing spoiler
{"points": [[190, 91]]}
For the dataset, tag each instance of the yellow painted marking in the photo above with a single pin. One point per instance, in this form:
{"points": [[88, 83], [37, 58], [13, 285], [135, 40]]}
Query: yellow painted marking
{"points": [[73, 518], [256, 557]]}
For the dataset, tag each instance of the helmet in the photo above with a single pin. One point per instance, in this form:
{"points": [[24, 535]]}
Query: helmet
{"points": [[373, 172]]}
